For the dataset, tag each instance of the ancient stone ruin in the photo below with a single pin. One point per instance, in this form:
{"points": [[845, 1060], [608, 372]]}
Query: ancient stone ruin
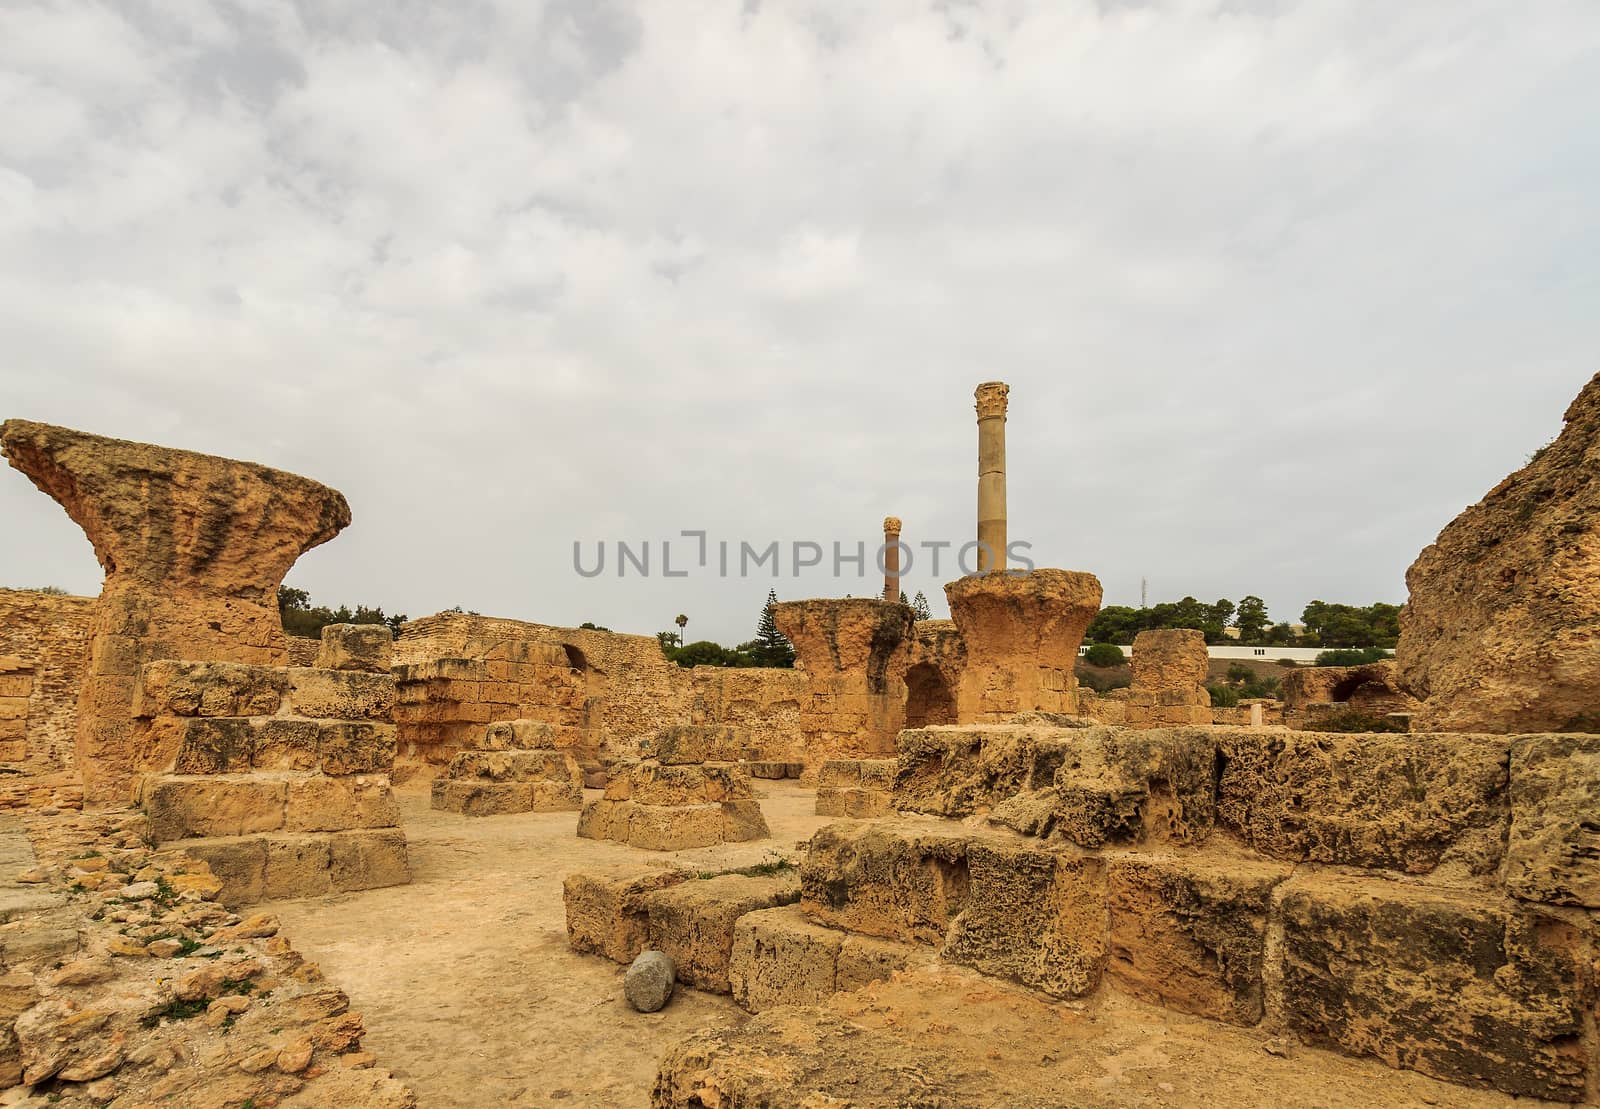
{"points": [[924, 867]]}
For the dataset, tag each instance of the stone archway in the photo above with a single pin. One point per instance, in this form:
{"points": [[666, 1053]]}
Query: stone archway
{"points": [[928, 697]]}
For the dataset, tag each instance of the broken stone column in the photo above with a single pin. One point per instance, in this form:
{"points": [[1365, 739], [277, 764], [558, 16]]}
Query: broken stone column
{"points": [[854, 653], [194, 548], [891, 559], [991, 404], [678, 799], [1022, 633], [1169, 678]]}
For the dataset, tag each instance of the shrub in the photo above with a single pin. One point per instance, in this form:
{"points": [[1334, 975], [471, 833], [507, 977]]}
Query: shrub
{"points": [[1287, 663], [1352, 721], [1262, 687], [1223, 696], [1351, 656], [1104, 683], [1104, 655], [1239, 672]]}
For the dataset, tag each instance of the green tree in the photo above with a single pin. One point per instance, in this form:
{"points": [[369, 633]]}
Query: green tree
{"points": [[1251, 619], [1104, 655], [770, 646], [682, 621], [1351, 656], [302, 618], [919, 607]]}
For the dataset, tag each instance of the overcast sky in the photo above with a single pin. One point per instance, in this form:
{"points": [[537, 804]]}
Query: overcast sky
{"points": [[1279, 287]]}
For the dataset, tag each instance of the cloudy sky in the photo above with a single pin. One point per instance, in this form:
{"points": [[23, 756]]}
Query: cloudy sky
{"points": [[1279, 287]]}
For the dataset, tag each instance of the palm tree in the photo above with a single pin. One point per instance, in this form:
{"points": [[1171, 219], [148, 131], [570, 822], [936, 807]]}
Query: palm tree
{"points": [[682, 621]]}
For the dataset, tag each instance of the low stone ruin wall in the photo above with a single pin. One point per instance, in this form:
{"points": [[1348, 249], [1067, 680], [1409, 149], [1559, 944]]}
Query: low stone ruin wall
{"points": [[458, 673], [44, 643]]}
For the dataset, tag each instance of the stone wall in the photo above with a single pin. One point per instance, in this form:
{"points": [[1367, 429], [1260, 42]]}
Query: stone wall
{"points": [[1371, 689], [458, 672], [1224, 873], [43, 652]]}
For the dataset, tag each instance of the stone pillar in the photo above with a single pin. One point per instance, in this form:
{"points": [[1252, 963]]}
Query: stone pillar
{"points": [[1258, 716], [991, 398], [1169, 678], [1022, 633], [891, 559], [194, 548], [854, 654]]}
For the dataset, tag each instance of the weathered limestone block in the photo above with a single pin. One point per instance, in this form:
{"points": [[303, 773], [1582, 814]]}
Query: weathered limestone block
{"points": [[683, 744], [1022, 632], [766, 768], [853, 803], [693, 921], [274, 865], [651, 783], [1033, 915], [1092, 786], [224, 745], [853, 653], [368, 647], [673, 827], [605, 908], [1404, 802], [904, 882], [341, 694], [1169, 678], [1189, 932], [174, 687], [320, 804], [530, 735], [478, 797], [780, 958], [194, 548], [517, 766], [1553, 854], [1498, 633], [236, 805], [1437, 980]]}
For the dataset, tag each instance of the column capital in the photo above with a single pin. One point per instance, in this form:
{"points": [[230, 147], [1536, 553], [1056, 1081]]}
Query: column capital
{"points": [[891, 525], [991, 399]]}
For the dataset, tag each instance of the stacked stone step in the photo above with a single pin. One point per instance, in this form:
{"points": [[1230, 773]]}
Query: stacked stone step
{"points": [[518, 766], [690, 794], [767, 768], [1194, 867], [856, 788], [620, 911], [278, 777]]}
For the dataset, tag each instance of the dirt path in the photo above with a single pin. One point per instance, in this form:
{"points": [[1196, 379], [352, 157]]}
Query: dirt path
{"points": [[472, 997], [469, 991]]}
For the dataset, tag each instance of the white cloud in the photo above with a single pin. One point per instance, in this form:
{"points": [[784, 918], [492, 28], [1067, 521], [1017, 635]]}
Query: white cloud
{"points": [[1279, 286]]}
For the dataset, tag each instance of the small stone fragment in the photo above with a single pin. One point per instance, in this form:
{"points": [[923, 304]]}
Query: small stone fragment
{"points": [[296, 1057], [649, 981]]}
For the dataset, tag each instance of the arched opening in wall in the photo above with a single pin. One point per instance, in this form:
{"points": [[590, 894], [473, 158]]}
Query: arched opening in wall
{"points": [[928, 698], [1348, 688], [575, 658]]}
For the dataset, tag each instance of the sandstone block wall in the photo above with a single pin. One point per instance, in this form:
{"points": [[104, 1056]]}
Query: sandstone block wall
{"points": [[44, 644], [1228, 873], [456, 673], [278, 777]]}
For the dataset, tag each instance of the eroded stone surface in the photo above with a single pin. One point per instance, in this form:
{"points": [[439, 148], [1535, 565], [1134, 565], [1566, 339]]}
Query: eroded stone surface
{"points": [[1553, 853], [1404, 802], [904, 882], [1442, 981], [1498, 633]]}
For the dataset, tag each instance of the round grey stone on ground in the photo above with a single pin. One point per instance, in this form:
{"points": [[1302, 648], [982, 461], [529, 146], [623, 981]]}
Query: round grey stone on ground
{"points": [[649, 981]]}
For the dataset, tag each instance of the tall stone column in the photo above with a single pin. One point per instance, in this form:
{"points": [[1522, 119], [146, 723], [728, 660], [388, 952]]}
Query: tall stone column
{"points": [[891, 559], [854, 653], [991, 405], [194, 548]]}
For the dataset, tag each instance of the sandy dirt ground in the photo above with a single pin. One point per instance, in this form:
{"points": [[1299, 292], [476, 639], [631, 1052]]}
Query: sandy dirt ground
{"points": [[472, 997]]}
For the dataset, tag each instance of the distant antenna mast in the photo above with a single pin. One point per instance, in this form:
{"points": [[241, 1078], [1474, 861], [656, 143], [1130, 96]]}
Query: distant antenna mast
{"points": [[1144, 592]]}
